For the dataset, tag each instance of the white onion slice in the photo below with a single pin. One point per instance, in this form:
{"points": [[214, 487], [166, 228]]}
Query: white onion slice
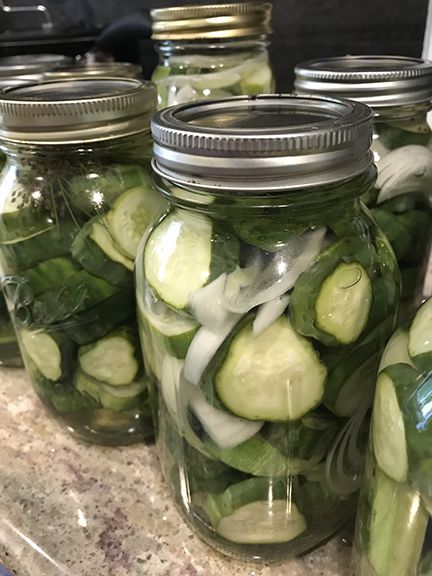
{"points": [[226, 430], [206, 304], [268, 313], [203, 347], [170, 385], [280, 275]]}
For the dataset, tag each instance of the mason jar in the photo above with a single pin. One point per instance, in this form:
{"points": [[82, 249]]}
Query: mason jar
{"points": [[75, 198], [264, 296], [393, 529], [212, 51], [399, 90], [9, 350]]}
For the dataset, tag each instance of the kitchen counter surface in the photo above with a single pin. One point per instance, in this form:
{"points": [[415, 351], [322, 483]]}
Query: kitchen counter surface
{"points": [[75, 509]]}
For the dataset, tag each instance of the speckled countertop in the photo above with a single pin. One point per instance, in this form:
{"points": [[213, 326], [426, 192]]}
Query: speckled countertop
{"points": [[75, 509]]}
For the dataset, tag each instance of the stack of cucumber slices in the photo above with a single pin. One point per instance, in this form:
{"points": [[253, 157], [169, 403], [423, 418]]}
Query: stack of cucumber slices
{"points": [[265, 349], [192, 78], [397, 499], [68, 257]]}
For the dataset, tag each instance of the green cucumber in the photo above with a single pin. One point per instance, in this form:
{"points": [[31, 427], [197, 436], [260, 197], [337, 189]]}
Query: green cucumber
{"points": [[51, 353], [280, 449], [276, 375], [343, 303], [255, 511], [420, 337], [79, 292], [174, 273], [397, 528], [257, 232], [53, 272], [388, 429], [95, 251], [116, 398], [131, 215], [55, 242], [96, 191], [96, 322], [172, 331], [397, 135], [396, 350], [23, 215], [113, 359], [332, 301]]}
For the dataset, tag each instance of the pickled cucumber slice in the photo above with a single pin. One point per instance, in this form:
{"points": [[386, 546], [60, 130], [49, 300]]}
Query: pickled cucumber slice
{"points": [[276, 375]]}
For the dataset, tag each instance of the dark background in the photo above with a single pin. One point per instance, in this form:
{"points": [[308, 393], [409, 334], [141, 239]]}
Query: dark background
{"points": [[302, 29]]}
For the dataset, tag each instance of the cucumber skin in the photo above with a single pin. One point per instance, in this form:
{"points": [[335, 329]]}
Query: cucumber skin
{"points": [[50, 273], [97, 321], [54, 243], [93, 259], [256, 232], [307, 287], [418, 428], [111, 182], [394, 137]]}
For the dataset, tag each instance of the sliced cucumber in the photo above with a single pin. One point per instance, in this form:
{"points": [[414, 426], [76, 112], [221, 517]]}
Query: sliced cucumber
{"points": [[396, 351], [24, 215], [55, 242], [185, 252], [343, 303], [260, 81], [332, 301], [388, 430], [115, 398], [53, 272], [98, 189], [351, 381], [94, 323], [50, 353], [131, 215], [172, 330], [274, 376], [403, 134], [113, 358], [397, 529], [255, 511], [257, 231], [79, 292], [420, 337], [95, 251]]}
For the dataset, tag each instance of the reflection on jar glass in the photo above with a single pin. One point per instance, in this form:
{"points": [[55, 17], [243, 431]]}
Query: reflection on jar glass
{"points": [[75, 198], [399, 90], [265, 297], [393, 522], [212, 51]]}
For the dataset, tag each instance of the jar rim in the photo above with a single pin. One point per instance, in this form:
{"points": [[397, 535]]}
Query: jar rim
{"points": [[267, 142], [76, 110], [376, 80], [226, 20]]}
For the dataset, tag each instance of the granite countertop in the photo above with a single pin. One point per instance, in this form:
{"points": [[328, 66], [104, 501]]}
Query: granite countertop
{"points": [[75, 509]]}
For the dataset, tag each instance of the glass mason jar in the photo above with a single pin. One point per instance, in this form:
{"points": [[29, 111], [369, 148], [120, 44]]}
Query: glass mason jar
{"points": [[75, 198], [212, 51], [264, 298], [399, 90], [393, 529], [9, 350]]}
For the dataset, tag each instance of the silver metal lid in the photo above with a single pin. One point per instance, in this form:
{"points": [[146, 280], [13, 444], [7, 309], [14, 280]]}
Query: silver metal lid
{"points": [[96, 70], [269, 142], [378, 81], [74, 111], [20, 80], [31, 63], [224, 20]]}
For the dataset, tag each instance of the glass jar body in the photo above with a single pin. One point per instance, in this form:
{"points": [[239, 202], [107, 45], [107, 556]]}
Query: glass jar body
{"points": [[195, 70], [402, 199], [258, 387], [393, 522], [70, 220]]}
